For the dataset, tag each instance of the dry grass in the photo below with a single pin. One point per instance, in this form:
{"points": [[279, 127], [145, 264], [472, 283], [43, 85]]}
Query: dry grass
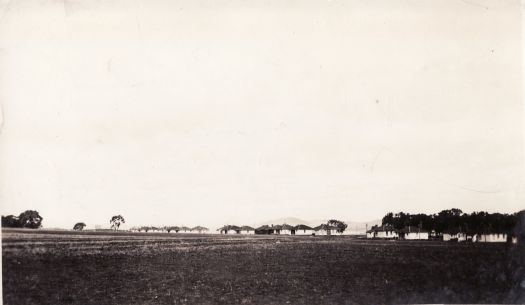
{"points": [[67, 268]]}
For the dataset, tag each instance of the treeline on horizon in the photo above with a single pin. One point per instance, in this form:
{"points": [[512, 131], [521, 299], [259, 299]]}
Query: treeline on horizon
{"points": [[28, 219], [454, 220]]}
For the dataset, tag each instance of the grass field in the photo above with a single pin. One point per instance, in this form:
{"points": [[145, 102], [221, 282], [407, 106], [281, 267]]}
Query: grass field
{"points": [[104, 268]]}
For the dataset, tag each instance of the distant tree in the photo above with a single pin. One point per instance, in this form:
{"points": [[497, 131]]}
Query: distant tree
{"points": [[30, 219], [10, 221], [79, 226], [456, 220], [449, 219], [116, 221], [519, 227], [341, 226], [388, 220]]}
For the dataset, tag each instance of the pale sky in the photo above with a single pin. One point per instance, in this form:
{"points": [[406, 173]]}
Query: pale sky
{"points": [[210, 112]]}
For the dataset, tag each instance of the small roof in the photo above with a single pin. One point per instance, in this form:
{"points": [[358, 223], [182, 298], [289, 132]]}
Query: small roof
{"points": [[229, 227], [287, 227], [199, 228], [247, 228], [303, 227], [185, 228], [263, 227]]}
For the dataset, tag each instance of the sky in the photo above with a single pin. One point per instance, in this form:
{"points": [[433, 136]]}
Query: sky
{"points": [[197, 112]]}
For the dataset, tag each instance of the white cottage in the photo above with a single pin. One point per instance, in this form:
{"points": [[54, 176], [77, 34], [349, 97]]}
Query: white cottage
{"points": [[286, 229], [459, 237], [199, 230], [303, 230], [247, 230], [455, 235], [325, 229], [184, 230], [382, 232], [276, 229], [172, 229], [491, 238], [413, 233], [154, 230], [229, 229]]}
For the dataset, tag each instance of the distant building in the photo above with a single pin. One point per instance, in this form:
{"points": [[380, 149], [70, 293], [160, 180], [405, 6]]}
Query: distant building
{"points": [[287, 229], [199, 230], [325, 229], [413, 233], [455, 235], [174, 229], [277, 229], [274, 229], [265, 229], [247, 230], [304, 230], [184, 230], [229, 229], [382, 232], [492, 238], [155, 230]]}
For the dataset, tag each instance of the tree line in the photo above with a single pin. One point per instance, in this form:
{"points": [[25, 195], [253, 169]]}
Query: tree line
{"points": [[27, 219], [456, 220], [32, 220]]}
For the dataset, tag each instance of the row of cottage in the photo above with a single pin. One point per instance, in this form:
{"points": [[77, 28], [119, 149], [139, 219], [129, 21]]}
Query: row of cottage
{"points": [[183, 229], [284, 229], [415, 233]]}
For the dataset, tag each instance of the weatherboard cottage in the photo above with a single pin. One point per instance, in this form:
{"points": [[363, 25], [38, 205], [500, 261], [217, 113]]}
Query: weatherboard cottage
{"points": [[304, 230], [382, 232]]}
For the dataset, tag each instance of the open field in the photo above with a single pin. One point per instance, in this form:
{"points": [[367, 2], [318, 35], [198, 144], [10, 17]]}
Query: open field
{"points": [[105, 268]]}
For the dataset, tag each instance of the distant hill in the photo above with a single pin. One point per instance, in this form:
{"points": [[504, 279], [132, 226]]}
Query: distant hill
{"points": [[288, 220]]}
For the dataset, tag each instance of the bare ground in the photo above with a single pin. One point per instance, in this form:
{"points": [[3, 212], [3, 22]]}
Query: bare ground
{"points": [[103, 268]]}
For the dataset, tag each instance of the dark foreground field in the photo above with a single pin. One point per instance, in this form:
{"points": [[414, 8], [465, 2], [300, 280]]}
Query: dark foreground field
{"points": [[160, 269]]}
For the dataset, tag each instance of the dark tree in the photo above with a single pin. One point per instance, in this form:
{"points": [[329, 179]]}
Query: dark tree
{"points": [[388, 220], [455, 220], [145, 229], [79, 226], [30, 219], [116, 221], [10, 221], [519, 227], [341, 226]]}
